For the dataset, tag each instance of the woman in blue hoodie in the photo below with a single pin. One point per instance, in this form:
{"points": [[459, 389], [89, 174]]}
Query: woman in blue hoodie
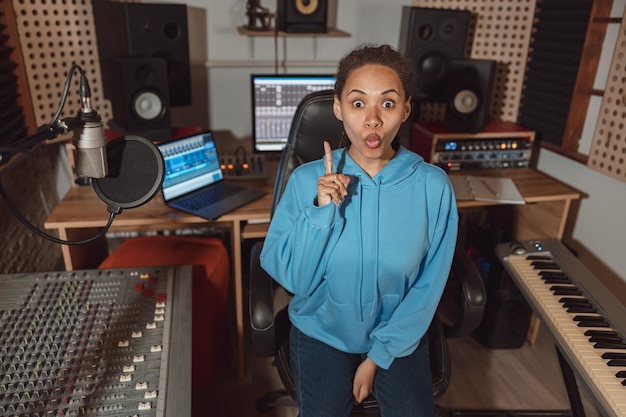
{"points": [[364, 239]]}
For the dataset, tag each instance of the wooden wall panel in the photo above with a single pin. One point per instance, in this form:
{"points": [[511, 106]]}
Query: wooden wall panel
{"points": [[608, 148], [53, 36]]}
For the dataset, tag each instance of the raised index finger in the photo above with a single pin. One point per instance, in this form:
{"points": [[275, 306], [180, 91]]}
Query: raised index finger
{"points": [[328, 157]]}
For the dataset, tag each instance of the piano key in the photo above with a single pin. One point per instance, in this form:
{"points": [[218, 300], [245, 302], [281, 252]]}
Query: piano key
{"points": [[613, 355], [610, 345], [590, 321], [564, 290], [604, 382], [553, 274], [570, 301], [580, 317], [593, 332], [593, 324], [556, 280], [545, 265], [608, 339], [581, 309]]}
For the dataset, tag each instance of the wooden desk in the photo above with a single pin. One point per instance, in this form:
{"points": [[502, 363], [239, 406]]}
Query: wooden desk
{"points": [[548, 202], [81, 214]]}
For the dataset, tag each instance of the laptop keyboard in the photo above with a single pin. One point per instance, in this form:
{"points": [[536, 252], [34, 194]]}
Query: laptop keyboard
{"points": [[210, 195]]}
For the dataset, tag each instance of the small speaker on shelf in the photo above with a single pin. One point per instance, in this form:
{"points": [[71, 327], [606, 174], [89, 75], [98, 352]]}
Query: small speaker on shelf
{"points": [[302, 16], [432, 38], [470, 86], [140, 99]]}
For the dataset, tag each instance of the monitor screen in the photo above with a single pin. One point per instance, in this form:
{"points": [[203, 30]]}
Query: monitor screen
{"points": [[275, 98]]}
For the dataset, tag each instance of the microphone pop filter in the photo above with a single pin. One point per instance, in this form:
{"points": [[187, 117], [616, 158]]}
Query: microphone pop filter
{"points": [[136, 171]]}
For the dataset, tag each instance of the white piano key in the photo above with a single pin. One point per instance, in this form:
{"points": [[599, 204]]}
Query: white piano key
{"points": [[570, 337]]}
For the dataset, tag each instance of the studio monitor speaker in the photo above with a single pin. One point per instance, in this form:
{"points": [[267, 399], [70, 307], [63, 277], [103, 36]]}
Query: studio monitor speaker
{"points": [[146, 30], [432, 38], [140, 99], [470, 86], [302, 16]]}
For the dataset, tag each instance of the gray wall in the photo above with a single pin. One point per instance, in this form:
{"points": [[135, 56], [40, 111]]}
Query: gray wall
{"points": [[222, 61], [227, 58]]}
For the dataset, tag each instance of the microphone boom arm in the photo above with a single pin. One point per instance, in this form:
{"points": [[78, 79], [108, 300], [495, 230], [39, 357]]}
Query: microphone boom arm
{"points": [[87, 126]]}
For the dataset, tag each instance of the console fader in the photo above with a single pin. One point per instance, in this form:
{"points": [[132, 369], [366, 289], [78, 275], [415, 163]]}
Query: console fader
{"points": [[113, 342]]}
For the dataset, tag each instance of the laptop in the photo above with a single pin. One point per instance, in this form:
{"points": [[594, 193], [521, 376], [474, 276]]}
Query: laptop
{"points": [[194, 181]]}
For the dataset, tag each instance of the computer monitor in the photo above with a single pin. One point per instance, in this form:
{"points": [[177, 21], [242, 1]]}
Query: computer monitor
{"points": [[275, 98]]}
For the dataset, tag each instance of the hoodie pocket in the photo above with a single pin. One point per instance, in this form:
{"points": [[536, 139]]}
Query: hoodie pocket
{"points": [[388, 304], [345, 323]]}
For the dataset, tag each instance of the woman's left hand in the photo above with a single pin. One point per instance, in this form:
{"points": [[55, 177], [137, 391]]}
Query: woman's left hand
{"points": [[363, 380]]}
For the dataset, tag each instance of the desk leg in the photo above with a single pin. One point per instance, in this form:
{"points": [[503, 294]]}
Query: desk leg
{"points": [[86, 256], [540, 220], [236, 251]]}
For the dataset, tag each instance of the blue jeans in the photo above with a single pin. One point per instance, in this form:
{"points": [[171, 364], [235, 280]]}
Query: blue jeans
{"points": [[323, 377]]}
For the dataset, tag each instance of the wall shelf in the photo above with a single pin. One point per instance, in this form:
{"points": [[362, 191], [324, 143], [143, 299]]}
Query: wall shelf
{"points": [[332, 32], [252, 34]]}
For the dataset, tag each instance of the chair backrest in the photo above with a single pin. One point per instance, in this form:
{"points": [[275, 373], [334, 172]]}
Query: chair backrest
{"points": [[313, 123]]}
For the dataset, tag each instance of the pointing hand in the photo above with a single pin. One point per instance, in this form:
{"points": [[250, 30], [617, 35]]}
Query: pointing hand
{"points": [[331, 187]]}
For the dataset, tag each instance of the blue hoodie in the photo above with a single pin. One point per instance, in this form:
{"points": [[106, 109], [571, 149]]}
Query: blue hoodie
{"points": [[366, 276]]}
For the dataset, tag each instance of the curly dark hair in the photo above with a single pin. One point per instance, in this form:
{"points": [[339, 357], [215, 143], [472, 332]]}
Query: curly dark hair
{"points": [[377, 55]]}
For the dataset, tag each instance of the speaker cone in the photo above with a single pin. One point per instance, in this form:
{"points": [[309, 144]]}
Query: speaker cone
{"points": [[148, 105], [306, 6], [451, 30], [465, 101], [433, 67]]}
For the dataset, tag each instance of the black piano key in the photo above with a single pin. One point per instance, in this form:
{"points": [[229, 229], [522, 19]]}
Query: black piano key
{"points": [[614, 355], [592, 324], [617, 362], [590, 321], [564, 290], [545, 265], [593, 332], [573, 300], [555, 280], [581, 309], [611, 339], [610, 345], [621, 374], [578, 303], [589, 318], [539, 257], [552, 274]]}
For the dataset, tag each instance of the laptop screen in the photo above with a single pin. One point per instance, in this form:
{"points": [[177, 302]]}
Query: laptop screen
{"points": [[190, 163]]}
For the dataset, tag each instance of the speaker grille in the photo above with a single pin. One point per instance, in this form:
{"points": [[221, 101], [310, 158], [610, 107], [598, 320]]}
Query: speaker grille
{"points": [[558, 38]]}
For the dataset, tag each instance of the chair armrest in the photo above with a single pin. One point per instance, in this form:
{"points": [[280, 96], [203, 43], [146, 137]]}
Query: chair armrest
{"points": [[471, 296], [262, 323]]}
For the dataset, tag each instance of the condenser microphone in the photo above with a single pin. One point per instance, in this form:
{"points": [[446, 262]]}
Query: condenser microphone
{"points": [[89, 138]]}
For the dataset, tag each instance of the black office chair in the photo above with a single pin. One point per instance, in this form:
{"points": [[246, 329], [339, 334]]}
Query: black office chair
{"points": [[459, 313]]}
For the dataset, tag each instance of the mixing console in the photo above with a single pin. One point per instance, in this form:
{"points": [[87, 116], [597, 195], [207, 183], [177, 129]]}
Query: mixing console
{"points": [[113, 342]]}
